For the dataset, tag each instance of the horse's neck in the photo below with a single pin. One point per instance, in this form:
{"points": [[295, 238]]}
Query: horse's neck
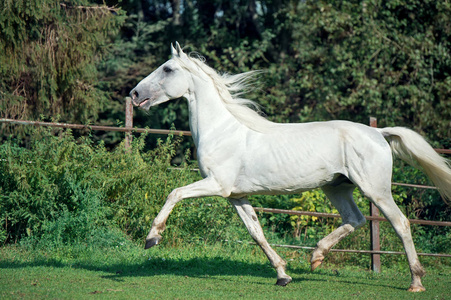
{"points": [[208, 113]]}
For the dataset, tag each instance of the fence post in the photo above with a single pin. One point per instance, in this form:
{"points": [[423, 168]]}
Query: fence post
{"points": [[374, 228], [128, 121]]}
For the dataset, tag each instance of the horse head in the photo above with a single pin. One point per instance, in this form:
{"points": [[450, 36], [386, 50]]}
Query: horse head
{"points": [[169, 81]]}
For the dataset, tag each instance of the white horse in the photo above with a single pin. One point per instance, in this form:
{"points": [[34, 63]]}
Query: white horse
{"points": [[241, 153]]}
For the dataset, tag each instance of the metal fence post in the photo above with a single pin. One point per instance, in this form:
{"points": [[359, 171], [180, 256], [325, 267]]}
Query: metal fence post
{"points": [[128, 121], [374, 228]]}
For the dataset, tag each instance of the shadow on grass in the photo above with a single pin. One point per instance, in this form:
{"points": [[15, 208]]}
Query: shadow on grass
{"points": [[198, 268]]}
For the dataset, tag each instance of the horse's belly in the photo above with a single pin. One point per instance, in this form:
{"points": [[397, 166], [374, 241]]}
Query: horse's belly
{"points": [[282, 183], [287, 171]]}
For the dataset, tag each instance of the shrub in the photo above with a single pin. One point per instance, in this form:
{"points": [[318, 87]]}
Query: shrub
{"points": [[63, 190]]}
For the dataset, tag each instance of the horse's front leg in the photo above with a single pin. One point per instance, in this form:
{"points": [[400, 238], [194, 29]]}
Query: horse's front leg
{"points": [[203, 188], [247, 214]]}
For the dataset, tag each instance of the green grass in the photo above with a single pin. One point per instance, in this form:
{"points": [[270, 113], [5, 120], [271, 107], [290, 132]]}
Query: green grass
{"points": [[200, 271]]}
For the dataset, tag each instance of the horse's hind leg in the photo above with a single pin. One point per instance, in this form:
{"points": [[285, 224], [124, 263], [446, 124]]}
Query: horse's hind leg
{"points": [[341, 198], [401, 224], [248, 216]]}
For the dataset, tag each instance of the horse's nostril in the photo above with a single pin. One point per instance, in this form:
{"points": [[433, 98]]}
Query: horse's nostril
{"points": [[134, 94]]}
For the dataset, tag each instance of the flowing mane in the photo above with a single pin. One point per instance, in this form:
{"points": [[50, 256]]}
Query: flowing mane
{"points": [[230, 88]]}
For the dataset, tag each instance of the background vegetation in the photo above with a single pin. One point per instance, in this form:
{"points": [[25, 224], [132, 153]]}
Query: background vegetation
{"points": [[49, 56], [76, 60], [323, 59], [67, 192]]}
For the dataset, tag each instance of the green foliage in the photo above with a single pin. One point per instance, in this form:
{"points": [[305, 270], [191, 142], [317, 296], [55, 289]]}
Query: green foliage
{"points": [[48, 55], [46, 192], [314, 201], [87, 224], [323, 59], [352, 60], [64, 190]]}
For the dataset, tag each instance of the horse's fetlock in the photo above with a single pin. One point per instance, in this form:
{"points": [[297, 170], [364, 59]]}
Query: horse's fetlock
{"points": [[418, 270], [319, 253]]}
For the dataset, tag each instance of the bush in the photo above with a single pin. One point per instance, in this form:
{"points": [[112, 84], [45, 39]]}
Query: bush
{"points": [[46, 191], [64, 190]]}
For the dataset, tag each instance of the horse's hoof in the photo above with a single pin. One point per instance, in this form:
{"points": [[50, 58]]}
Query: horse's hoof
{"points": [[316, 264], [416, 289], [283, 281], [152, 242]]}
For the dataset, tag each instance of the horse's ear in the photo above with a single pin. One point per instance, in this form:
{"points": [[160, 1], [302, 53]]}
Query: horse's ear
{"points": [[180, 52], [173, 51], [179, 49]]}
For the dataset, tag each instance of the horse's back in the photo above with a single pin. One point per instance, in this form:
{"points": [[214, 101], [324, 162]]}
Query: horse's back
{"points": [[298, 157]]}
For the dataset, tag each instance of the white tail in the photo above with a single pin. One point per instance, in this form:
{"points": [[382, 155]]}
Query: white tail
{"points": [[412, 148]]}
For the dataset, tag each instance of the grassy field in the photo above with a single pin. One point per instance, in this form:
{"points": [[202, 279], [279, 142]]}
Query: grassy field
{"points": [[222, 271]]}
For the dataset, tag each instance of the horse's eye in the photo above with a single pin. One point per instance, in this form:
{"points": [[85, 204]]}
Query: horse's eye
{"points": [[167, 69]]}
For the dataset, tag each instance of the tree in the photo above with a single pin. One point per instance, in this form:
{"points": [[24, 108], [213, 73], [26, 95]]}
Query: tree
{"points": [[323, 59], [353, 59], [49, 52]]}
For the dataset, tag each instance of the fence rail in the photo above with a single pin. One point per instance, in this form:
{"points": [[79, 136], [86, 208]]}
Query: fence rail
{"points": [[328, 215], [95, 127], [373, 252], [350, 250]]}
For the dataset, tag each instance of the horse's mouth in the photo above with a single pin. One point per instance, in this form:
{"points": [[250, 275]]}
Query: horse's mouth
{"points": [[142, 103]]}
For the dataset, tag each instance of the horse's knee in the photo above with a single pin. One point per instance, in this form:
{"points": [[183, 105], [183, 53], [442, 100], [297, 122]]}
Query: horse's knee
{"points": [[358, 223], [175, 195]]}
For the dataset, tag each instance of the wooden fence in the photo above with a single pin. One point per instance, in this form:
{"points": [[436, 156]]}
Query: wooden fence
{"points": [[374, 217]]}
